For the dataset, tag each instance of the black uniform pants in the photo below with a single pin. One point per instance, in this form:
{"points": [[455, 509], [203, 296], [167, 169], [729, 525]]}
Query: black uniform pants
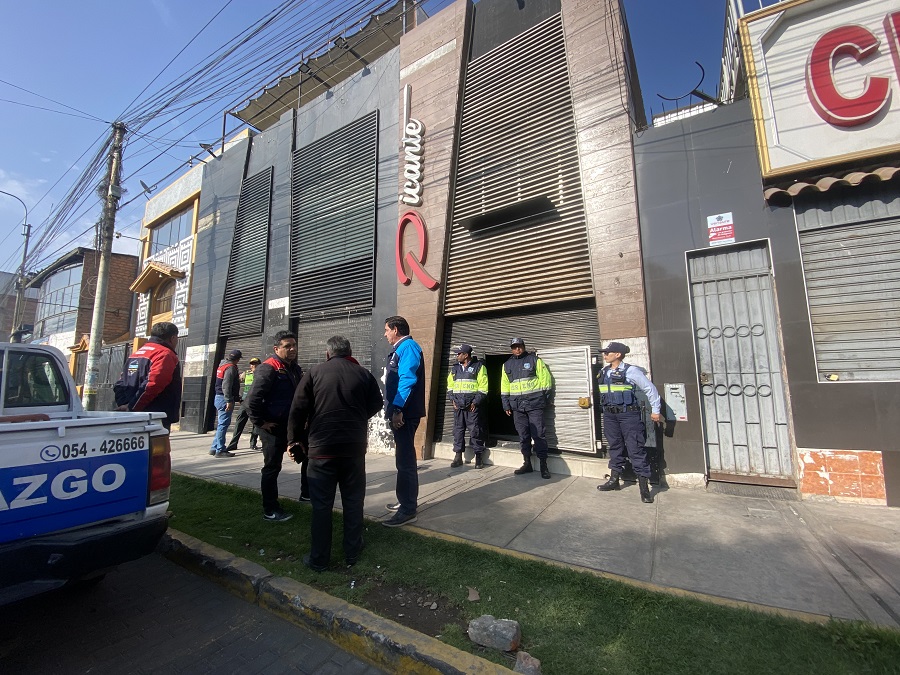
{"points": [[530, 425], [626, 433], [325, 475], [463, 419], [239, 424]]}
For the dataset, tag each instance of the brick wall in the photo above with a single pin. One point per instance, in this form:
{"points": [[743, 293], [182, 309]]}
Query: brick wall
{"points": [[847, 475], [119, 298]]}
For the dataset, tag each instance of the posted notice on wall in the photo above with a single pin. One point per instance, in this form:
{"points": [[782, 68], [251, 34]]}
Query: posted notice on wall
{"points": [[720, 228]]}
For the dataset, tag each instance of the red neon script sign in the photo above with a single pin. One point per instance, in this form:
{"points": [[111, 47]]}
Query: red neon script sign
{"points": [[415, 263], [859, 44]]}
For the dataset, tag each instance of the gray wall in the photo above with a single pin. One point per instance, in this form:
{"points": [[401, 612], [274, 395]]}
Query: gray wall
{"points": [[375, 88], [215, 230], [702, 166]]}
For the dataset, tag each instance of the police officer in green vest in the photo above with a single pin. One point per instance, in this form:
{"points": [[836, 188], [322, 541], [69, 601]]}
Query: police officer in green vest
{"points": [[526, 388], [467, 389], [243, 415]]}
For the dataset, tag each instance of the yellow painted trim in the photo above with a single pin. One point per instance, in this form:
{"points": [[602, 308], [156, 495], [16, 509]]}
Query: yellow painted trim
{"points": [[762, 147]]}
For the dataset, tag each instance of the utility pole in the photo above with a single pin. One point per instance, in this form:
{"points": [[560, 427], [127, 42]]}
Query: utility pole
{"points": [[15, 333], [107, 231]]}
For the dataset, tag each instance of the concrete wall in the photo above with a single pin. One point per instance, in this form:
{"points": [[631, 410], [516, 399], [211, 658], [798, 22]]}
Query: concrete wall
{"points": [[702, 166]]}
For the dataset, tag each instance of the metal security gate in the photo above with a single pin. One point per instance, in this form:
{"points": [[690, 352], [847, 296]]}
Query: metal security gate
{"points": [[570, 426], [742, 391]]}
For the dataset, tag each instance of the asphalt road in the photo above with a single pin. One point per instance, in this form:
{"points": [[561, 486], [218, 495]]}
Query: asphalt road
{"points": [[151, 616]]}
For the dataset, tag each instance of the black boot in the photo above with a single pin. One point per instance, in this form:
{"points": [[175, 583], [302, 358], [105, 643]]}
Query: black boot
{"points": [[525, 468], [478, 463], [457, 461], [644, 485], [545, 472], [611, 484]]}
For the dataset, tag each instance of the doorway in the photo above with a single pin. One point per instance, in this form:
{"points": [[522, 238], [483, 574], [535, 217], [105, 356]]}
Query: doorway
{"points": [[742, 388]]}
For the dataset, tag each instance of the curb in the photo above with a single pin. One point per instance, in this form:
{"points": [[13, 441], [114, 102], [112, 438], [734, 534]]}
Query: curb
{"points": [[374, 639]]}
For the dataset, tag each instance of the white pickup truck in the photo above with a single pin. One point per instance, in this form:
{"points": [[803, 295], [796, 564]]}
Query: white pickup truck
{"points": [[80, 492]]}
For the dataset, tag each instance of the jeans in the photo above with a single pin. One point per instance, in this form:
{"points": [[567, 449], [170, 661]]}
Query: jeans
{"points": [[530, 425], [626, 433], [223, 422], [405, 456], [273, 448], [324, 477]]}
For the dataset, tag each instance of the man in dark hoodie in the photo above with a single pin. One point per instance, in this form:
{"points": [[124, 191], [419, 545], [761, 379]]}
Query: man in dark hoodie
{"points": [[269, 404], [329, 423], [151, 379]]}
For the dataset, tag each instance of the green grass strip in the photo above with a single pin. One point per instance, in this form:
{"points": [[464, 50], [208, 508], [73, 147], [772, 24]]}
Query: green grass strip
{"points": [[574, 622]]}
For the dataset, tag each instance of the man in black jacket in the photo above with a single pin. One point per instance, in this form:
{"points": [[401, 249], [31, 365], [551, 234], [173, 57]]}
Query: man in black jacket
{"points": [[269, 405], [329, 422]]}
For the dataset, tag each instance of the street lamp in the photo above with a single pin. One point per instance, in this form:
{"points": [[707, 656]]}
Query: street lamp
{"points": [[16, 335]]}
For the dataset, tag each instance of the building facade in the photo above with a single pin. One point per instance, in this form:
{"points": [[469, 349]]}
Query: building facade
{"points": [[770, 232]]}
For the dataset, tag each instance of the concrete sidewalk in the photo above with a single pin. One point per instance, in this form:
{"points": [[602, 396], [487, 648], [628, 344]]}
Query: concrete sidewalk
{"points": [[828, 559]]}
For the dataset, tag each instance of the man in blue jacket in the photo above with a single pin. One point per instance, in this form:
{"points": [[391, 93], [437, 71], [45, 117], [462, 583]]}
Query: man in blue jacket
{"points": [[404, 409]]}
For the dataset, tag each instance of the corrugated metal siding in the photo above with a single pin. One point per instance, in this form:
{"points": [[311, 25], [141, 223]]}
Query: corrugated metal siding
{"points": [[333, 209], [312, 334], [518, 210], [491, 334], [245, 286], [570, 427], [853, 286]]}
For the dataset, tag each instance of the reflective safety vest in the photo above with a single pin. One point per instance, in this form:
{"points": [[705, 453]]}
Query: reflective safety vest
{"points": [[248, 382], [614, 388], [525, 384], [466, 384]]}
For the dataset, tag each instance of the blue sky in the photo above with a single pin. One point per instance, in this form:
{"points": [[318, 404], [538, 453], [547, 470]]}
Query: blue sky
{"points": [[97, 55]]}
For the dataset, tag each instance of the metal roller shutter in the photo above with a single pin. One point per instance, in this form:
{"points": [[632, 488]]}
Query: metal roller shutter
{"points": [[850, 247], [853, 286], [250, 347], [333, 210], [245, 286], [312, 334], [490, 335], [518, 210]]}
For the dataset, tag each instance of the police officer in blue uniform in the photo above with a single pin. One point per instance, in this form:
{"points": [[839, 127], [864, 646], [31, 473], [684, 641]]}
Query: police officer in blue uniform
{"points": [[467, 389], [623, 421]]}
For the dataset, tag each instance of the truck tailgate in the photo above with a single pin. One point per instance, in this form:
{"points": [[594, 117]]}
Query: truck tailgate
{"points": [[60, 477]]}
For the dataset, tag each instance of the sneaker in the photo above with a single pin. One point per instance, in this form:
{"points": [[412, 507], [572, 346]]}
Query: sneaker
{"points": [[303, 498], [314, 568], [212, 451], [225, 453], [393, 507], [278, 516], [255, 447], [399, 519]]}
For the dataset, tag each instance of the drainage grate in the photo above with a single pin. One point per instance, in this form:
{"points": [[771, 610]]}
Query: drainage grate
{"points": [[757, 491]]}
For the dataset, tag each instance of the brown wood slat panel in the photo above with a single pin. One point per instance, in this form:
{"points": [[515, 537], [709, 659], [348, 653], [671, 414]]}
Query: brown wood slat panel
{"points": [[518, 147]]}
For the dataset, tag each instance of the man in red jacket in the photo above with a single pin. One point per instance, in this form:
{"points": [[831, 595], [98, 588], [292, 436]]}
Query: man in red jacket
{"points": [[151, 378]]}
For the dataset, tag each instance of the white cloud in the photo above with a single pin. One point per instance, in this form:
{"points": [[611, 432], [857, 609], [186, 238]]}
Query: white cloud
{"points": [[165, 14]]}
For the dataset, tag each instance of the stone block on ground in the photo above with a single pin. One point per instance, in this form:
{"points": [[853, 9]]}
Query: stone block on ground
{"points": [[502, 634], [527, 664]]}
